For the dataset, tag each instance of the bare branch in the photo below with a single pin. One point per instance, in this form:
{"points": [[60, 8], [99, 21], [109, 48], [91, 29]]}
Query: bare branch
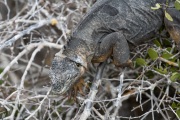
{"points": [[94, 89], [9, 42]]}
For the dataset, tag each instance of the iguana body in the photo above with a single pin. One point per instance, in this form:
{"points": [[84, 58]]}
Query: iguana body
{"points": [[107, 30]]}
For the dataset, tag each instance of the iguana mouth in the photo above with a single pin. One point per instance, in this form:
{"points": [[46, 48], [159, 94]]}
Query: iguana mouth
{"points": [[64, 86], [71, 81], [64, 73]]}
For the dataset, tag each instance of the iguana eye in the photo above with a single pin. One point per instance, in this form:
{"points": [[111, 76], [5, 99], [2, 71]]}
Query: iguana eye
{"points": [[78, 64]]}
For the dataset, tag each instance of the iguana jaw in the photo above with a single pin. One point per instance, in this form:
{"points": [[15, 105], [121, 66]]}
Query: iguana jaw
{"points": [[69, 85], [64, 73]]}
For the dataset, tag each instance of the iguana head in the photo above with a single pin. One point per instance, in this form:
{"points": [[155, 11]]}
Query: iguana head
{"points": [[69, 65], [64, 73]]}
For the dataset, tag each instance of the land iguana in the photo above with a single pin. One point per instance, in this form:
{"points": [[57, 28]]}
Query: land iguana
{"points": [[107, 30]]}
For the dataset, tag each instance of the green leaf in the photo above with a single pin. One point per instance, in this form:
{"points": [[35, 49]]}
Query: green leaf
{"points": [[141, 62], [157, 43], [166, 55], [178, 113], [166, 43], [161, 70], [149, 74], [178, 105], [173, 105], [168, 16], [177, 4], [152, 54], [175, 76], [157, 6], [173, 69]]}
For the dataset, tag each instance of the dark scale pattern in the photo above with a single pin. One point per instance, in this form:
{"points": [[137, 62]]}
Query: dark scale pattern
{"points": [[110, 10]]}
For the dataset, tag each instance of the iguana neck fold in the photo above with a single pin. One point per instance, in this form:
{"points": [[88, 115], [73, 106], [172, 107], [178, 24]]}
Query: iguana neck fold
{"points": [[77, 50]]}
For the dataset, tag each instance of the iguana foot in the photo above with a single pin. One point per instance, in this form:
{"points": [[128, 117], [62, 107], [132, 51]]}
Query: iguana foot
{"points": [[127, 64], [113, 44]]}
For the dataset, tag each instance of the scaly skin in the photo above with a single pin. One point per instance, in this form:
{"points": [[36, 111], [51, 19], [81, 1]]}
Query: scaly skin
{"points": [[108, 29], [62, 72]]}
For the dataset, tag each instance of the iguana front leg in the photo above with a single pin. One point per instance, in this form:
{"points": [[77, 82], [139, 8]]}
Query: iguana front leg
{"points": [[113, 44], [173, 27]]}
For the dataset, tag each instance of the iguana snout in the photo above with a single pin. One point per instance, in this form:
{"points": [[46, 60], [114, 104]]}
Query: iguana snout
{"points": [[64, 73]]}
